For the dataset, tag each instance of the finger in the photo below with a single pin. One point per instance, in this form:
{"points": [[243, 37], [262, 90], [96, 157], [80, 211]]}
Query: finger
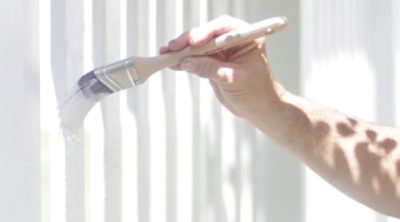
{"points": [[208, 67], [176, 67], [163, 50], [242, 51], [201, 35], [180, 42]]}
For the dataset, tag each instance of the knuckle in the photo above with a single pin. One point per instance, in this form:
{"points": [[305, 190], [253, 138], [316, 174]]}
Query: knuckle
{"points": [[171, 42]]}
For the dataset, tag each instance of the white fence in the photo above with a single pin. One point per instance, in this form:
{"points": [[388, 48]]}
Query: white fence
{"points": [[166, 150]]}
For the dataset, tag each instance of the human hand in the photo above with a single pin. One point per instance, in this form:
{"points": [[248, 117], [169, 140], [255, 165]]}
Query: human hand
{"points": [[240, 76]]}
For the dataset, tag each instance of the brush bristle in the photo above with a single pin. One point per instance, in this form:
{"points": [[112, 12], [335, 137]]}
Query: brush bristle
{"points": [[92, 88]]}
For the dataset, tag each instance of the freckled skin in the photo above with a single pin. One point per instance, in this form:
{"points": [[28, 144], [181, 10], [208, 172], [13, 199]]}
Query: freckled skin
{"points": [[388, 145], [362, 153], [344, 130], [341, 165], [322, 128], [344, 151], [352, 121], [398, 167], [371, 135]]}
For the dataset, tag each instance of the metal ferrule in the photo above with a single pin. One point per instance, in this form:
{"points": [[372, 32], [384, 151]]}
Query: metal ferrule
{"points": [[119, 75]]}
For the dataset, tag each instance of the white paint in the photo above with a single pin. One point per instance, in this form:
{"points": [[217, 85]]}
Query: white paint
{"points": [[158, 129], [94, 168], [230, 169], [130, 133], [52, 144], [67, 59], [396, 43], [111, 112], [184, 153]]}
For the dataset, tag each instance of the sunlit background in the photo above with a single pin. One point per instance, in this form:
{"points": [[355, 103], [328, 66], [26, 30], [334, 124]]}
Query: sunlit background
{"points": [[166, 150]]}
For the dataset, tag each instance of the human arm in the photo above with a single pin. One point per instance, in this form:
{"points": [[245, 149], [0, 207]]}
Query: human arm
{"points": [[359, 158]]}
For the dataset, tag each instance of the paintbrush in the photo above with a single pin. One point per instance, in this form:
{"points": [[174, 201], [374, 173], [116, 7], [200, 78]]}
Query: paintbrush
{"points": [[130, 72]]}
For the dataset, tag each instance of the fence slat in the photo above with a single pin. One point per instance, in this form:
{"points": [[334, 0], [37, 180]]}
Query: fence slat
{"points": [[396, 36], [138, 45], [107, 49], [395, 16], [20, 117], [166, 10], [67, 63]]}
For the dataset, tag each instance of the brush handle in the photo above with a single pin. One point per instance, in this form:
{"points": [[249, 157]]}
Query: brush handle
{"points": [[132, 71], [147, 66]]}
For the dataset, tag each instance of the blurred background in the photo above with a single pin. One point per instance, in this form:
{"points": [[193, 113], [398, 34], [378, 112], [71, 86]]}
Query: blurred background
{"points": [[166, 150]]}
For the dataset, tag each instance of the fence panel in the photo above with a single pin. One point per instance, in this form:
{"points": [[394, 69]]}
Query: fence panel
{"points": [[167, 150]]}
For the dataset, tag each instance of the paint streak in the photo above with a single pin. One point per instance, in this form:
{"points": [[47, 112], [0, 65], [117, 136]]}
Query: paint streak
{"points": [[344, 130]]}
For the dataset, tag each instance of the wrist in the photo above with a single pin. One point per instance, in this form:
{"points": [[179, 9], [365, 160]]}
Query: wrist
{"points": [[271, 105]]}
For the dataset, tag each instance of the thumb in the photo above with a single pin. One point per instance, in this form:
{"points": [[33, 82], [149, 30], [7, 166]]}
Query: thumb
{"points": [[207, 67]]}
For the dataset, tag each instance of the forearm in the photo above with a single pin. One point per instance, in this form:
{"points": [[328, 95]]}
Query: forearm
{"points": [[359, 158]]}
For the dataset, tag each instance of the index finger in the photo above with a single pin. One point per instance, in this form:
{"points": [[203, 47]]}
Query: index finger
{"points": [[180, 42], [201, 35]]}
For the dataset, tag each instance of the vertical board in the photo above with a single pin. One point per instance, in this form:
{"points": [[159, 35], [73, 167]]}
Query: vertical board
{"points": [[106, 39], [195, 15], [67, 64], [396, 43], [396, 50], [166, 26], [20, 118], [214, 142], [138, 32], [184, 110], [157, 123], [129, 131]]}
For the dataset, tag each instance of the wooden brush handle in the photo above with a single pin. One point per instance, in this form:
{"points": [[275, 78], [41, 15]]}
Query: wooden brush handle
{"points": [[147, 66]]}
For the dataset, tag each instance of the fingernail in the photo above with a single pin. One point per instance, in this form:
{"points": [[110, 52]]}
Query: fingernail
{"points": [[189, 65]]}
